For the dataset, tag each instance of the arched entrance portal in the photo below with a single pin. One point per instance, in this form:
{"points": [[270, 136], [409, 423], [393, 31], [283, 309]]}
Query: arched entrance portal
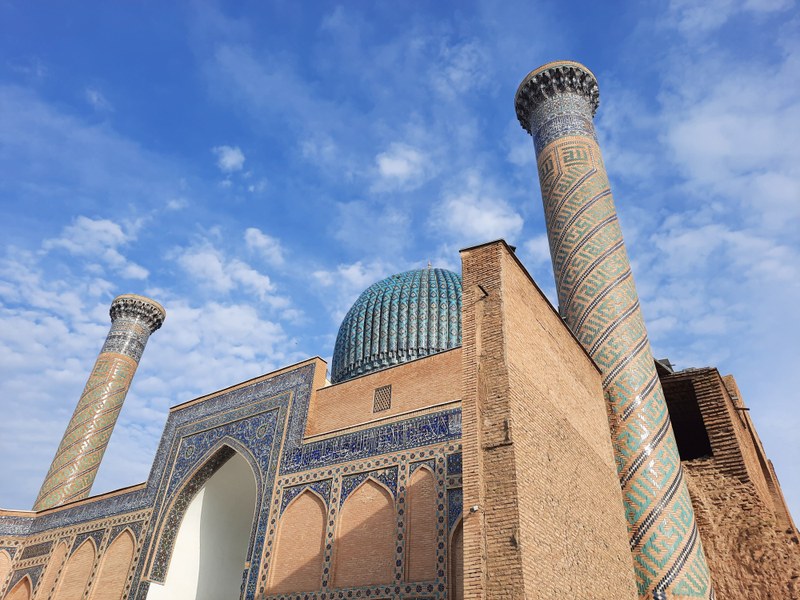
{"points": [[208, 559]]}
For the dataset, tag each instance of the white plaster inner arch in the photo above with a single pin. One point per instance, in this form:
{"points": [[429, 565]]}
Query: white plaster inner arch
{"points": [[208, 558]]}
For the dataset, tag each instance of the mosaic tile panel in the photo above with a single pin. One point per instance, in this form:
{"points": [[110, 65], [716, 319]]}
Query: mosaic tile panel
{"points": [[392, 437], [416, 465], [387, 477], [13, 525], [454, 464], [34, 573], [135, 527], [10, 550], [78, 457], [455, 505], [397, 319], [598, 301], [35, 550], [96, 535], [323, 488]]}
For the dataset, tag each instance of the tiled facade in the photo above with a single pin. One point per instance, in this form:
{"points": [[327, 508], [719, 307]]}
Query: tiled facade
{"points": [[472, 444]]}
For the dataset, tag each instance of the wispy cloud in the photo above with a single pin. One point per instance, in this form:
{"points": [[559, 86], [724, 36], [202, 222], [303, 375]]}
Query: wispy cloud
{"points": [[98, 240], [97, 100], [267, 247], [475, 213]]}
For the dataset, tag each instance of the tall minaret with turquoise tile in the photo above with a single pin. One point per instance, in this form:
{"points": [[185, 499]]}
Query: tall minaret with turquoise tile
{"points": [[597, 298], [72, 472]]}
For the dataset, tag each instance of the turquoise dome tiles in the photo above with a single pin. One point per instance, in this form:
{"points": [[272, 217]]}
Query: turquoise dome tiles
{"points": [[398, 319]]}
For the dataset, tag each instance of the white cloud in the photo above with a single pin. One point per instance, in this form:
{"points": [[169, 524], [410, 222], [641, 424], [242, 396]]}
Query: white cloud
{"points": [[401, 162], [475, 214], [98, 240], [212, 269], [229, 158], [461, 67], [268, 247]]}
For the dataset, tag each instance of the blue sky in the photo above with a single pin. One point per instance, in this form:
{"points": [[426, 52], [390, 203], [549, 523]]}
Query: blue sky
{"points": [[254, 166]]}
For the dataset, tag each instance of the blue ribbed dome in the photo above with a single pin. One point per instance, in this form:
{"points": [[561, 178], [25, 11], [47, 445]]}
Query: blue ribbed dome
{"points": [[398, 319]]}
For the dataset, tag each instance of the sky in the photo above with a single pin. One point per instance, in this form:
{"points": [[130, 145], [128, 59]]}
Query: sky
{"points": [[254, 166]]}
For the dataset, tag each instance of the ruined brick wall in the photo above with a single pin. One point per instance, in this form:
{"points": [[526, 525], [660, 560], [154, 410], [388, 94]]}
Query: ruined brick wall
{"points": [[750, 557], [750, 541], [551, 522]]}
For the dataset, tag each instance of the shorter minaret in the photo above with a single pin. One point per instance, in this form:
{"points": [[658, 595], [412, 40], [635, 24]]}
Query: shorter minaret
{"points": [[72, 472]]}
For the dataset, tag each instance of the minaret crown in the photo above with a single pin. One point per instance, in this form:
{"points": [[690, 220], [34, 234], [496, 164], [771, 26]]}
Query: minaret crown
{"points": [[133, 306], [550, 80]]}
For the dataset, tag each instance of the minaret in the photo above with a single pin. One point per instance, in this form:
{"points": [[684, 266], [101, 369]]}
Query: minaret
{"points": [[72, 472], [598, 301]]}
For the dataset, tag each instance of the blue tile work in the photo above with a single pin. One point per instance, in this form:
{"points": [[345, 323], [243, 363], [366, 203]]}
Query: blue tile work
{"points": [[33, 572], [323, 488], [455, 502], [135, 527], [96, 535], [454, 464], [13, 525], [428, 463], [36, 550], [11, 550], [401, 435], [398, 319], [387, 477], [433, 457]]}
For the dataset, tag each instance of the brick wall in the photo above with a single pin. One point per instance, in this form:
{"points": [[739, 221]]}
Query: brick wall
{"points": [[536, 447], [416, 385], [750, 541]]}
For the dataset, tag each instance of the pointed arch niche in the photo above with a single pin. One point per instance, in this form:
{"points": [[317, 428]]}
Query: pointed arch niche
{"points": [[21, 591], [5, 568], [113, 576], [300, 545], [207, 561], [76, 572], [422, 528], [455, 574], [366, 537], [52, 571]]}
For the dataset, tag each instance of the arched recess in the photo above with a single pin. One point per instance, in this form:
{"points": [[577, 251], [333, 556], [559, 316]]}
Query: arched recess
{"points": [[455, 571], [114, 568], [422, 529], [21, 591], [51, 572], [5, 568], [76, 572], [207, 558], [300, 546], [366, 537]]}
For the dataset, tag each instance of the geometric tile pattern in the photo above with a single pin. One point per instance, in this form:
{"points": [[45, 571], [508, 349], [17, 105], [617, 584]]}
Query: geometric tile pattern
{"points": [[393, 470], [398, 319], [598, 301], [78, 457]]}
